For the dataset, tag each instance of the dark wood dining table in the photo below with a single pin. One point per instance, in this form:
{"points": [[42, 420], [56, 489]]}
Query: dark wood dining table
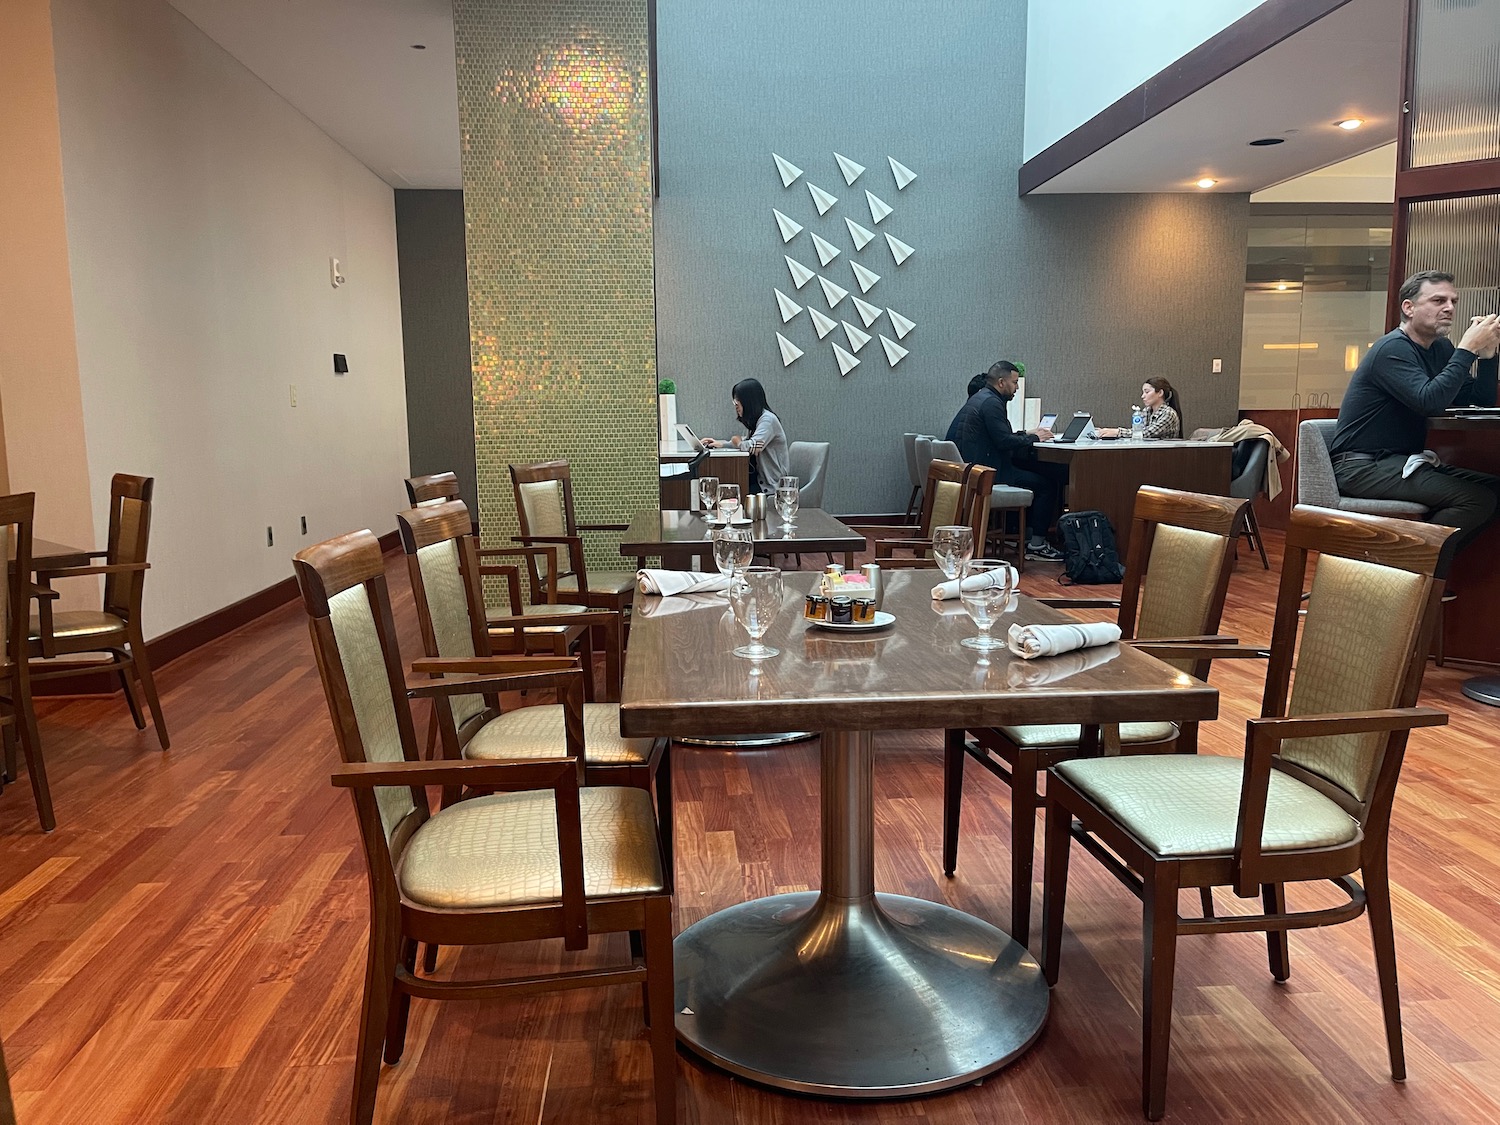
{"points": [[842, 991], [680, 536]]}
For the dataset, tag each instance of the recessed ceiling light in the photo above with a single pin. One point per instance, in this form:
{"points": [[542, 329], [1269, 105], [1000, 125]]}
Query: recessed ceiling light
{"points": [[419, 46], [1350, 123], [1205, 182], [1263, 141], [1281, 286]]}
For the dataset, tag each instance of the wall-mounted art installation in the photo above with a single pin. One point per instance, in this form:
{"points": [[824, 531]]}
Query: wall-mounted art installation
{"points": [[789, 308], [858, 233], [847, 362], [852, 171], [879, 208], [867, 312], [899, 323], [788, 226], [894, 352], [790, 352], [827, 251], [899, 250], [821, 199], [903, 174], [866, 277], [801, 275], [857, 339], [832, 293], [789, 171], [823, 324]]}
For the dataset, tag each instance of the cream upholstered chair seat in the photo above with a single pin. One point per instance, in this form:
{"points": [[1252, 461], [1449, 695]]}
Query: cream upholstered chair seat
{"points": [[79, 623], [537, 732], [1070, 734], [1186, 805], [544, 608], [601, 581], [467, 856]]}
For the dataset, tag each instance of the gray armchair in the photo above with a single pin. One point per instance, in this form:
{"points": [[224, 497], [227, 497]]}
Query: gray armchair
{"points": [[809, 464], [1317, 486]]}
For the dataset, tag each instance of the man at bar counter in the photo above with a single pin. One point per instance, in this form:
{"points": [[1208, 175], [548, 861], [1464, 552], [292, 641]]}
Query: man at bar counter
{"points": [[1413, 373]]}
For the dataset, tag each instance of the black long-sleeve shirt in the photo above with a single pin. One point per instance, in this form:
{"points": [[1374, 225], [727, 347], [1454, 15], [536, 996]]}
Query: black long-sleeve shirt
{"points": [[1399, 385], [984, 436]]}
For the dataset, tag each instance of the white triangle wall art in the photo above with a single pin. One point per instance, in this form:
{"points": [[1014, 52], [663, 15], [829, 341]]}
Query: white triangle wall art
{"points": [[867, 312], [789, 171], [821, 199], [789, 228], [847, 362], [865, 277], [823, 324], [827, 251], [879, 208], [790, 352], [789, 308], [899, 250], [801, 275], [903, 174], [851, 170], [832, 293], [900, 324], [857, 339], [858, 233], [894, 352]]}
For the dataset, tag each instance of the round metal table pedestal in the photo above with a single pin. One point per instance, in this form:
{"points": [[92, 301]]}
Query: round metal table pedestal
{"points": [[850, 994], [1483, 689]]}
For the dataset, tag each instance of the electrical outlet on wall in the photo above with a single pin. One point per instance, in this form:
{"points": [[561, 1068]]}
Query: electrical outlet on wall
{"points": [[270, 538], [1218, 367], [335, 272], [294, 394], [304, 525]]}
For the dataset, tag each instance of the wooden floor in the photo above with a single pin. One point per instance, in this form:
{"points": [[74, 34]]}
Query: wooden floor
{"points": [[186, 947]]}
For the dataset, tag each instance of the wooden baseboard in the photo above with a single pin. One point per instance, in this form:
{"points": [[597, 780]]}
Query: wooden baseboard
{"points": [[195, 634]]}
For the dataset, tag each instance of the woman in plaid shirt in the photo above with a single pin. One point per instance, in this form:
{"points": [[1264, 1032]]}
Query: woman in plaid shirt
{"points": [[1163, 411]]}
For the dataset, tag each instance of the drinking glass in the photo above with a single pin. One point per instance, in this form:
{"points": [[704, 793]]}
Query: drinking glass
{"points": [[985, 604], [733, 548], [952, 548], [708, 494], [756, 599], [729, 502], [788, 496]]}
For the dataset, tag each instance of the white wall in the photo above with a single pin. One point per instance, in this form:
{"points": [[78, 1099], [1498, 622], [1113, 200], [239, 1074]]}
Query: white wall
{"points": [[1084, 55], [202, 210]]}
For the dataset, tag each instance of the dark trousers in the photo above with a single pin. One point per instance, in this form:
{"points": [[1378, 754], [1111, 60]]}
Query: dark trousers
{"points": [[1457, 497], [1048, 483]]}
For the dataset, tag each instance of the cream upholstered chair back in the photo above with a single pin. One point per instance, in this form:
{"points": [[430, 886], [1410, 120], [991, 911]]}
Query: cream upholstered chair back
{"points": [[542, 508], [946, 495], [129, 535], [1179, 587]]}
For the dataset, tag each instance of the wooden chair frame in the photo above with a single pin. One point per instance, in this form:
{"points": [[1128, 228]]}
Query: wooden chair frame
{"points": [[18, 716], [1155, 879], [975, 484], [577, 567], [398, 924], [433, 486], [1022, 767]]}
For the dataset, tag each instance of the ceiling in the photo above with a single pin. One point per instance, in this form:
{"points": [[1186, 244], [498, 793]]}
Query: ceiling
{"points": [[1347, 64], [350, 67]]}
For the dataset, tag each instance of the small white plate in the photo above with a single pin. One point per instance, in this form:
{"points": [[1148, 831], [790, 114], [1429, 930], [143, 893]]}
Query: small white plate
{"points": [[882, 619]]}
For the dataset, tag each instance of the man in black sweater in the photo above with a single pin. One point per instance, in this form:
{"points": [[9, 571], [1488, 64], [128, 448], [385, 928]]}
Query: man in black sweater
{"points": [[1411, 374], [984, 436]]}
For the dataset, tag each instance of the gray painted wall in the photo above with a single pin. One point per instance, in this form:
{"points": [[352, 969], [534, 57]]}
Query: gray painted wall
{"points": [[435, 327], [1093, 293]]}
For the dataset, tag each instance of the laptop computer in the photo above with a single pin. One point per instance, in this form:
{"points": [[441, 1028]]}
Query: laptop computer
{"points": [[1048, 421], [685, 432], [1081, 422]]}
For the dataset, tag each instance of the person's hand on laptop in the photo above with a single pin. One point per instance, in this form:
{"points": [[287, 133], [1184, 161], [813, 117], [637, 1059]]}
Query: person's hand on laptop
{"points": [[1108, 432], [709, 443], [1042, 433]]}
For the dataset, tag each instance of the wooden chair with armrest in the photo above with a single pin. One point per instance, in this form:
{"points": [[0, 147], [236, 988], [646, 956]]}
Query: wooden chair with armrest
{"points": [[1311, 800], [953, 494], [544, 508], [432, 487], [445, 574], [513, 865], [116, 628], [1176, 578], [17, 715]]}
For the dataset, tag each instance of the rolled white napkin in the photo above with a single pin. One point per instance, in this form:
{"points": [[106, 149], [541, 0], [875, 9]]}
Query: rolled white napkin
{"points": [[1050, 669], [681, 603], [947, 591], [1031, 641], [670, 582]]}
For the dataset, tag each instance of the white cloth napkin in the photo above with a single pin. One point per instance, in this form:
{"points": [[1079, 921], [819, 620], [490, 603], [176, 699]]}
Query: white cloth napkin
{"points": [[670, 582], [947, 591], [1031, 641], [681, 603], [1050, 669], [1417, 460]]}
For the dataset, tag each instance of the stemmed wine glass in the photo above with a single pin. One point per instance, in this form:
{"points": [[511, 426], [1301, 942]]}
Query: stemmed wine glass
{"points": [[733, 550], [756, 599], [708, 494], [788, 497], [729, 502], [952, 548], [985, 590]]}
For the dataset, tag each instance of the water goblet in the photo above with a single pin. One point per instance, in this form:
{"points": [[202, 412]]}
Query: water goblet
{"points": [[708, 494], [733, 550], [756, 599], [729, 502], [952, 548], [788, 497], [985, 592]]}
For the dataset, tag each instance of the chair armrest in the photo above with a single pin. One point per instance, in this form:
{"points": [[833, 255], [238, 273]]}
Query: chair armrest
{"points": [[483, 676], [42, 593], [508, 622], [604, 527], [530, 554], [1081, 603], [499, 665], [1263, 739], [46, 639], [103, 568], [1203, 649], [510, 775]]}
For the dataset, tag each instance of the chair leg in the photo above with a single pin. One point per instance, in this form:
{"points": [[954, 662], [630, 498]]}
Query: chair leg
{"points": [[429, 957], [1206, 899], [1382, 932], [36, 766], [664, 820], [1021, 541], [1054, 888], [127, 686], [1159, 915], [1273, 900], [395, 1031], [659, 992], [911, 502], [953, 795], [1023, 803], [380, 971], [1253, 526], [148, 684], [12, 767]]}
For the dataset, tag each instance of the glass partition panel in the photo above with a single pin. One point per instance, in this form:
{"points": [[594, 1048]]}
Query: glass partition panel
{"points": [[1456, 82], [1458, 236]]}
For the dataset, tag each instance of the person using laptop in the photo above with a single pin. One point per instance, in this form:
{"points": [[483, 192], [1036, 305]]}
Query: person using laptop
{"points": [[770, 456], [975, 384], [1410, 374], [1163, 412], [984, 436]]}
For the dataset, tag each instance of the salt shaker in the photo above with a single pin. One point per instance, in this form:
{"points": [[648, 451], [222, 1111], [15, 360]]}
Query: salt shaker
{"points": [[872, 576]]}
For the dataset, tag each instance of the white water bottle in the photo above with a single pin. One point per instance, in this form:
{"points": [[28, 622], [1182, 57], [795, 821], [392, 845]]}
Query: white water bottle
{"points": [[1137, 423]]}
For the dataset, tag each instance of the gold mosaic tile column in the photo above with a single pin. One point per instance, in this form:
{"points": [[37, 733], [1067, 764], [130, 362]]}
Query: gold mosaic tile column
{"points": [[554, 111]]}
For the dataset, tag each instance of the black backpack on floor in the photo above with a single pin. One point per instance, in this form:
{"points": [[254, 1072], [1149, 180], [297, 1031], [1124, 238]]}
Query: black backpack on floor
{"points": [[1089, 553]]}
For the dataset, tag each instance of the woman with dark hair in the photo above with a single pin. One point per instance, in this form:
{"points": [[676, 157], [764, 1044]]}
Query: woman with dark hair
{"points": [[765, 440], [1163, 411]]}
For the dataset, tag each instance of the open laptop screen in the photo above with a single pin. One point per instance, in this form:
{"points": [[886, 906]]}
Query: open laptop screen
{"points": [[685, 432]]}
